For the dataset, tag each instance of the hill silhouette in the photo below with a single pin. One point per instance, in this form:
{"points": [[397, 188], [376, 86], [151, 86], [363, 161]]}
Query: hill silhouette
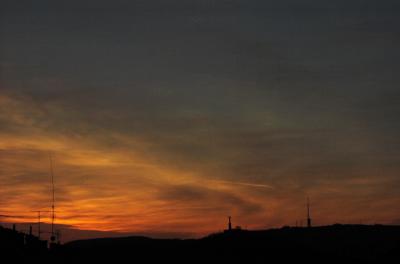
{"points": [[327, 244]]}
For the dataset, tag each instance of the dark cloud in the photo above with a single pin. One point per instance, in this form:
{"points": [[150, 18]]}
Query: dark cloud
{"points": [[215, 200], [299, 95]]}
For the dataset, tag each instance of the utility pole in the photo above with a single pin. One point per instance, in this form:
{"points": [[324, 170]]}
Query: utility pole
{"points": [[52, 238], [308, 213], [39, 212]]}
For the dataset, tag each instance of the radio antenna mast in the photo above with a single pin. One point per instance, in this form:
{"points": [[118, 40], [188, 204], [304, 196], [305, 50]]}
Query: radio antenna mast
{"points": [[52, 238], [308, 213]]}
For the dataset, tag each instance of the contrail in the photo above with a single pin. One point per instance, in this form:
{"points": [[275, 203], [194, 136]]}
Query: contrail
{"points": [[248, 184]]}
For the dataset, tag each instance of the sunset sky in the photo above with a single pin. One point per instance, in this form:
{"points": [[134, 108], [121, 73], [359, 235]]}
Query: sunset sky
{"points": [[163, 117]]}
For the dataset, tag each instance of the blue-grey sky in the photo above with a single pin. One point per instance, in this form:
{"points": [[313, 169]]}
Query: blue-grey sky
{"points": [[193, 110]]}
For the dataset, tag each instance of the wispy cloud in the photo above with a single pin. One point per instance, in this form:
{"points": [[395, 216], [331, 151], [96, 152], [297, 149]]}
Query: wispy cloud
{"points": [[246, 184], [112, 180], [243, 112]]}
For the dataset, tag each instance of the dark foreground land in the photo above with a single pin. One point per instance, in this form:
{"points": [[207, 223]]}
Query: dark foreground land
{"points": [[329, 244]]}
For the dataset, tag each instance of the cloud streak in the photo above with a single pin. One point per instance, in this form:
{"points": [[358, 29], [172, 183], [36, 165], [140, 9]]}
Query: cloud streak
{"points": [[192, 111]]}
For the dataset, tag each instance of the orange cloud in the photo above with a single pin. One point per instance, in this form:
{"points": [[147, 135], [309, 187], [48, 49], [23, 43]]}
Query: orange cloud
{"points": [[109, 180]]}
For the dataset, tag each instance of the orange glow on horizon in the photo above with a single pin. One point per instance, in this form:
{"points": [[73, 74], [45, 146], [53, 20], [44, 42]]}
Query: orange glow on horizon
{"points": [[110, 182]]}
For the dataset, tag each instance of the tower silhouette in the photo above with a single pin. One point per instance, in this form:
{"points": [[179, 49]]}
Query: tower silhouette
{"points": [[229, 224], [39, 212], [308, 213], [52, 237]]}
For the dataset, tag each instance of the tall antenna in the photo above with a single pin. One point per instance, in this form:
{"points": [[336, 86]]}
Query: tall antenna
{"points": [[52, 238], [308, 213]]}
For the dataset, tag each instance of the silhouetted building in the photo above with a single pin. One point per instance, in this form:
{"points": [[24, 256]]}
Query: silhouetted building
{"points": [[11, 239]]}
